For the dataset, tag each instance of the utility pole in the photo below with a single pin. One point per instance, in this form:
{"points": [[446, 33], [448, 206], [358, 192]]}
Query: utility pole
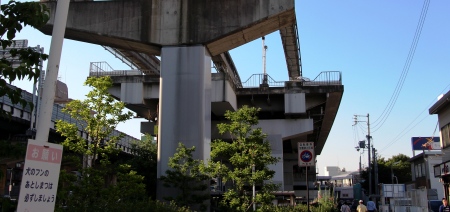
{"points": [[375, 162], [48, 92], [369, 147]]}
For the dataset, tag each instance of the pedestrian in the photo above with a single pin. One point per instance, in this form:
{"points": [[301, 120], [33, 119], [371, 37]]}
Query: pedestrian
{"points": [[361, 207], [444, 207], [345, 208], [371, 207], [354, 205]]}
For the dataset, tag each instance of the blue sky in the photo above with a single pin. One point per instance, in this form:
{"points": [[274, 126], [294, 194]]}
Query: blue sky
{"points": [[368, 41]]}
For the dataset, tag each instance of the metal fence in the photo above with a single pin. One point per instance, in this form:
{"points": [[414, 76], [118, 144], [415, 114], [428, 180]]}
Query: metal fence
{"points": [[256, 80], [324, 78], [104, 69]]}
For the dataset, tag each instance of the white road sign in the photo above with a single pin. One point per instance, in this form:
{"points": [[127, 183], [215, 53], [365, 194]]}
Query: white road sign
{"points": [[306, 155], [40, 177]]}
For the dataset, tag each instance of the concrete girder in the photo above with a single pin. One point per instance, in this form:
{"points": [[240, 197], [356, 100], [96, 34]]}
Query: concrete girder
{"points": [[224, 63], [321, 102], [330, 112], [291, 47], [286, 128], [147, 25]]}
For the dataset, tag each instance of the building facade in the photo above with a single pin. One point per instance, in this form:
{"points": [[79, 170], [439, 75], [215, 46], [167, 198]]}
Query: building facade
{"points": [[442, 109]]}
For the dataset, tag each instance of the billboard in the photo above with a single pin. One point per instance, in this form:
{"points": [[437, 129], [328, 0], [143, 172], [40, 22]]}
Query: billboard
{"points": [[426, 143]]}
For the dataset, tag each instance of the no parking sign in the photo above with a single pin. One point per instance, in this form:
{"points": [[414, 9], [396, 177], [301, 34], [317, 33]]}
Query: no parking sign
{"points": [[306, 154]]}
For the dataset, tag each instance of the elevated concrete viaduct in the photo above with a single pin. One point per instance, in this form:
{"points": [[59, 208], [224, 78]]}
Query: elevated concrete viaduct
{"points": [[293, 112], [188, 35]]}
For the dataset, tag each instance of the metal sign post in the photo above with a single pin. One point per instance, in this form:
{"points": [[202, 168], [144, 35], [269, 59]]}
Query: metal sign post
{"points": [[307, 189], [306, 159]]}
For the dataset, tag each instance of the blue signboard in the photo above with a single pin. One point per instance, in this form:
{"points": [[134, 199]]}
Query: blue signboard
{"points": [[426, 143]]}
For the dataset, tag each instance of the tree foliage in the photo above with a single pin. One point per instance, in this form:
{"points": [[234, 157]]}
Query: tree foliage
{"points": [[401, 168], [145, 162], [11, 150], [101, 185], [187, 176], [98, 115], [234, 160], [14, 16]]}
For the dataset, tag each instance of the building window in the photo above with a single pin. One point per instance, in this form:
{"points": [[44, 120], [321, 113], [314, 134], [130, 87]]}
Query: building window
{"points": [[445, 137]]}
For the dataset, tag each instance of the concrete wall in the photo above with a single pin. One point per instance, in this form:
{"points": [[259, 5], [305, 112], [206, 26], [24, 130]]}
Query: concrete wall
{"points": [[131, 93], [151, 91], [287, 128], [277, 151], [290, 160], [434, 182], [223, 97], [444, 119], [294, 103]]}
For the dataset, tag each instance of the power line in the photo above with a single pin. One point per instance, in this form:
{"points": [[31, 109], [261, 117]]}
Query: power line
{"points": [[406, 130], [378, 123]]}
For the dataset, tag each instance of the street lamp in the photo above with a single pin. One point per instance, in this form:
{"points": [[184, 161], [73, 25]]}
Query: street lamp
{"points": [[392, 172]]}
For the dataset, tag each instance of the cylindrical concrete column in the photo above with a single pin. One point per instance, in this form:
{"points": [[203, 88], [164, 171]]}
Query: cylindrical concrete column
{"points": [[185, 105]]}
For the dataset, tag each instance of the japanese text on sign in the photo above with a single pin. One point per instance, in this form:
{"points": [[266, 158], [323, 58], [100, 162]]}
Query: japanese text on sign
{"points": [[306, 154], [40, 153], [40, 177]]}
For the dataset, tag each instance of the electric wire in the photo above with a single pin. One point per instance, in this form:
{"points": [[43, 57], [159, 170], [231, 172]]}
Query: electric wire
{"points": [[355, 136], [399, 86], [406, 130], [363, 130], [379, 122]]}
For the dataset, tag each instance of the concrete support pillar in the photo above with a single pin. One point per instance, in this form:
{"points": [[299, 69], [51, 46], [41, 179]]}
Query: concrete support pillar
{"points": [[184, 107], [276, 144]]}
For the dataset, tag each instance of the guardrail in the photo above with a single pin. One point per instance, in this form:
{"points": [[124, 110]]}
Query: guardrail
{"points": [[324, 78], [104, 69], [256, 80]]}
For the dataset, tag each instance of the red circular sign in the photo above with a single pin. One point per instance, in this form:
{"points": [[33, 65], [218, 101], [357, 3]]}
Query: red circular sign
{"points": [[306, 156]]}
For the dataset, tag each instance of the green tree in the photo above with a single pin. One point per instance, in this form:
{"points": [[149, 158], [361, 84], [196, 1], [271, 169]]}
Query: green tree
{"points": [[14, 16], [99, 186], [11, 151], [98, 115], [144, 163], [186, 175], [401, 168], [244, 161]]}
